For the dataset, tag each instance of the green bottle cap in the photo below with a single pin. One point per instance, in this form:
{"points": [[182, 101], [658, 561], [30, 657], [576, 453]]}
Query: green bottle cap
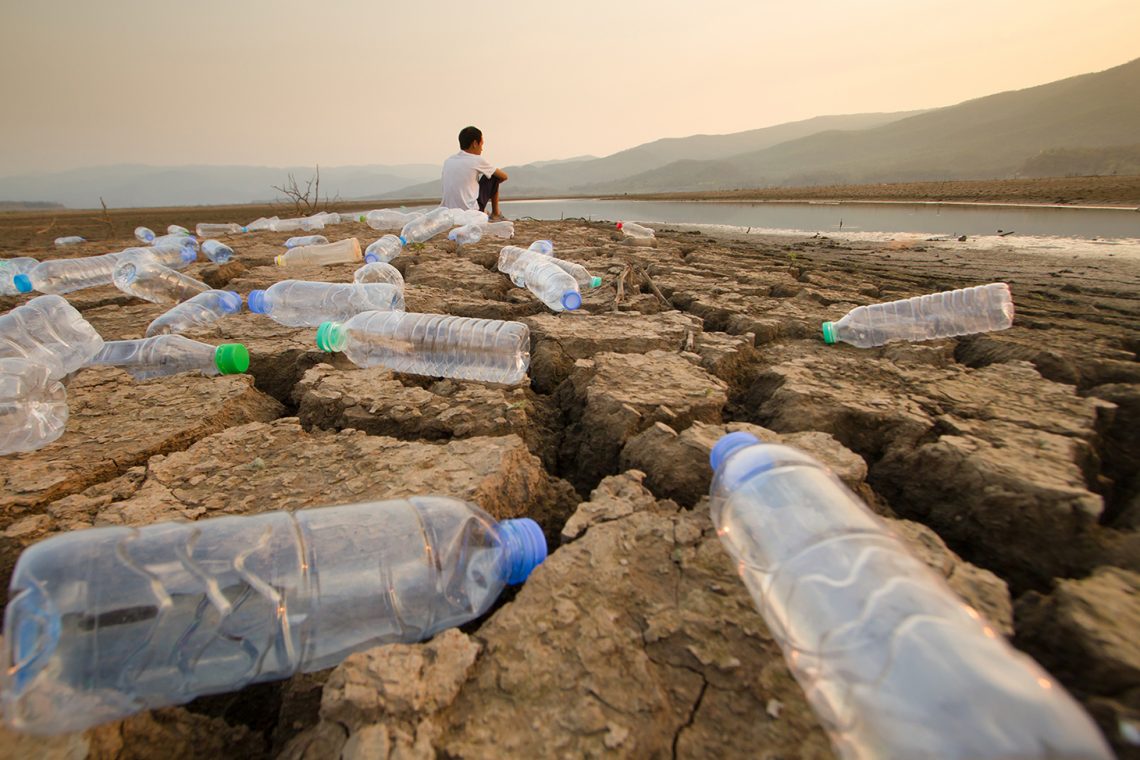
{"points": [[829, 335], [330, 336], [595, 282], [231, 358]]}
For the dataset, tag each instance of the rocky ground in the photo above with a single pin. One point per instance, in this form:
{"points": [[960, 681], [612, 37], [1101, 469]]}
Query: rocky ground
{"points": [[1008, 461]]}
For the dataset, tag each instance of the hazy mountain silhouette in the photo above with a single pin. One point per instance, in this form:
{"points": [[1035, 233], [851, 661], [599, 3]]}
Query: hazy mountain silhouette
{"points": [[138, 185]]}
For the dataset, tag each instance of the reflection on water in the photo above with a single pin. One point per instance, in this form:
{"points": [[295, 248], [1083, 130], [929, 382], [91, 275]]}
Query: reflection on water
{"points": [[867, 220]]}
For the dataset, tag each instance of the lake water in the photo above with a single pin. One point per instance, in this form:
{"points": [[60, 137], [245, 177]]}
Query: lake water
{"points": [[1091, 230]]}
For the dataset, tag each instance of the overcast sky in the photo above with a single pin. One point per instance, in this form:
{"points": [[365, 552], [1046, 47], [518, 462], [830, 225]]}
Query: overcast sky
{"points": [[337, 82]]}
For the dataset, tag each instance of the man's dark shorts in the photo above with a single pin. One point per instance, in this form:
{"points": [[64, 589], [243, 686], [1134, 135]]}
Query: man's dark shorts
{"points": [[488, 186]]}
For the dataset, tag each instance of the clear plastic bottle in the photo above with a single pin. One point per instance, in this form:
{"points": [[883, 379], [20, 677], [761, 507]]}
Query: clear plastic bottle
{"points": [[104, 622], [200, 311], [632, 230], [144, 235], [183, 241], [9, 268], [354, 216], [469, 234], [170, 354], [285, 225], [261, 224], [314, 222], [167, 254], [983, 308], [388, 219], [341, 252], [553, 285], [299, 303], [174, 229], [141, 276], [48, 330], [66, 275], [217, 251], [379, 271], [205, 229], [436, 345], [545, 247], [33, 406], [60, 242], [384, 250], [463, 216], [513, 262], [303, 240], [894, 664], [424, 228]]}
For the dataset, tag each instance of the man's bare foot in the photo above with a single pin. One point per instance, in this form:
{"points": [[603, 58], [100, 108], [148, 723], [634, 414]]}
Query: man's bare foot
{"points": [[496, 218]]}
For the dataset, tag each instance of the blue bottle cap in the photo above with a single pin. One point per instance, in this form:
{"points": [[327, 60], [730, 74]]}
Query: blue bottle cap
{"points": [[371, 258], [23, 283], [571, 300], [402, 239], [524, 548], [728, 444], [256, 301]]}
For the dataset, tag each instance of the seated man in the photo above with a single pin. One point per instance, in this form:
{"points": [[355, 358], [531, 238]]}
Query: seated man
{"points": [[469, 180]]}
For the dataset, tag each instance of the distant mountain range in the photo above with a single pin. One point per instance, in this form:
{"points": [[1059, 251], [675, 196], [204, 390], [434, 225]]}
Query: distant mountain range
{"points": [[1086, 124]]}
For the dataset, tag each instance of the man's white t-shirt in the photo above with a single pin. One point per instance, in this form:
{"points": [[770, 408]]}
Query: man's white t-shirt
{"points": [[461, 174]]}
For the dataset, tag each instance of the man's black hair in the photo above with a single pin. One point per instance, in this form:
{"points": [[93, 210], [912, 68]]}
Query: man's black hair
{"points": [[469, 135]]}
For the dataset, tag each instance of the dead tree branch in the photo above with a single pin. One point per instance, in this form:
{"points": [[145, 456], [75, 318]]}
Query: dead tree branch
{"points": [[308, 200]]}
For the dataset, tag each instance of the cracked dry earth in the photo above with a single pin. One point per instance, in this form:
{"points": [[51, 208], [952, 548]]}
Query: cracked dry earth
{"points": [[1008, 461]]}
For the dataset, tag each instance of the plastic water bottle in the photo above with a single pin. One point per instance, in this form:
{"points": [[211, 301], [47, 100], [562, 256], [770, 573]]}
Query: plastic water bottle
{"points": [[632, 230], [426, 227], [984, 308], [379, 271], [470, 234], [175, 229], [464, 216], [316, 221], [104, 622], [205, 229], [66, 275], [894, 664], [513, 261], [143, 277], [48, 330], [341, 252], [69, 240], [144, 235], [436, 345], [545, 247], [166, 241], [384, 250], [285, 225], [388, 218], [302, 240], [554, 286], [260, 224], [195, 313], [168, 255], [33, 406], [169, 354], [298, 303], [9, 268], [217, 251]]}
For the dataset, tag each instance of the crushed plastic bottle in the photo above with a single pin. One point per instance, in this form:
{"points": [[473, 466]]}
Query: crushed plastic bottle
{"points": [[33, 406], [217, 251], [551, 284], [205, 229], [141, 276], [9, 268], [48, 330], [424, 228], [345, 251], [383, 250], [513, 261], [144, 235], [379, 271], [303, 240], [67, 275], [469, 234], [983, 308], [299, 303], [170, 354], [635, 231], [389, 218], [174, 229], [436, 345], [463, 216], [261, 224], [195, 313], [894, 664], [105, 622], [60, 242]]}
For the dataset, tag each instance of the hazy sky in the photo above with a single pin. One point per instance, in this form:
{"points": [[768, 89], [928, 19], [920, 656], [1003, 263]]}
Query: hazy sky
{"points": [[365, 82]]}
